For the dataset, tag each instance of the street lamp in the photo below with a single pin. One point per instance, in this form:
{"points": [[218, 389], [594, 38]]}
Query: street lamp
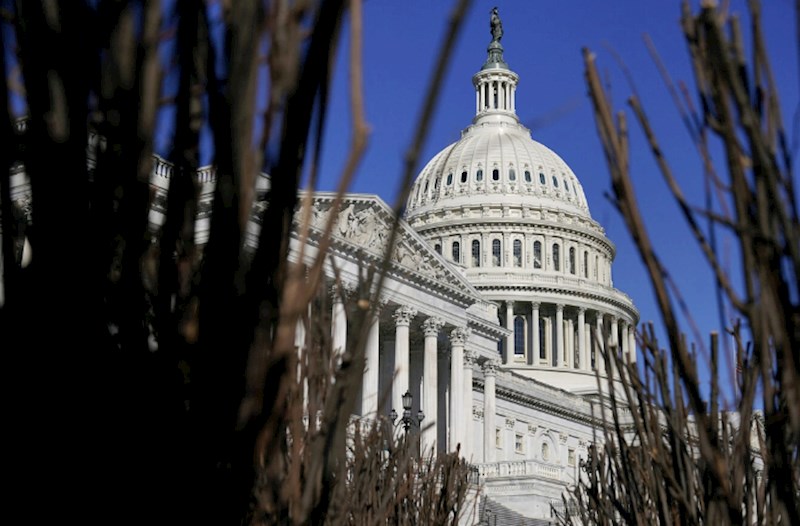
{"points": [[407, 420]]}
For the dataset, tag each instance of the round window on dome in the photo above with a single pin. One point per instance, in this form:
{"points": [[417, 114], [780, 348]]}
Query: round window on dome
{"points": [[464, 176], [512, 175], [555, 181], [479, 175], [541, 178], [495, 175], [527, 176], [449, 179]]}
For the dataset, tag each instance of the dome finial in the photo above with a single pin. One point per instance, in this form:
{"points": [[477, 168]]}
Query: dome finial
{"points": [[495, 49]]}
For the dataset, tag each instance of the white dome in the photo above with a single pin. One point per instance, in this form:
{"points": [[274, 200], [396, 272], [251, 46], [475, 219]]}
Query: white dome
{"points": [[497, 162]]}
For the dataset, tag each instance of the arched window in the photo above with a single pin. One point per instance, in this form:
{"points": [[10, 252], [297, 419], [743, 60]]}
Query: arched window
{"points": [[545, 451], [496, 252], [436, 182], [456, 252], [479, 175], [464, 176], [512, 175], [449, 179], [426, 187], [566, 186], [438, 248], [537, 254], [517, 253], [556, 257], [495, 175], [527, 176], [596, 264], [476, 253], [519, 335], [555, 181], [572, 260], [585, 263], [541, 178]]}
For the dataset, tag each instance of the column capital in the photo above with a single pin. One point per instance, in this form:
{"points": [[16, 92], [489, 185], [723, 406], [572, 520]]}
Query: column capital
{"points": [[490, 367], [431, 326], [509, 303], [459, 336], [403, 315], [469, 358], [581, 310], [535, 305], [340, 291], [559, 307]]}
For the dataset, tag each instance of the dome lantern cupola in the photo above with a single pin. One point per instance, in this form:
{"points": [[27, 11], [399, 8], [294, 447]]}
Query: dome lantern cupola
{"points": [[512, 216], [495, 84]]}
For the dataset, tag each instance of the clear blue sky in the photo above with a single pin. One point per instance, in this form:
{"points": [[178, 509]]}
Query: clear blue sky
{"points": [[543, 41]]}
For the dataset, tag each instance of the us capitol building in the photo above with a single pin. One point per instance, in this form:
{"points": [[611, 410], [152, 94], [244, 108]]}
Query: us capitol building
{"points": [[497, 303], [496, 306]]}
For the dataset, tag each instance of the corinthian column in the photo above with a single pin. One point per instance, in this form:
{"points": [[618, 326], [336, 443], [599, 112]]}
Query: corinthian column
{"points": [[402, 319], [369, 385], [430, 387], [467, 448], [489, 404], [458, 337], [535, 333], [559, 336], [600, 345], [338, 322], [509, 350], [632, 342], [582, 355]]}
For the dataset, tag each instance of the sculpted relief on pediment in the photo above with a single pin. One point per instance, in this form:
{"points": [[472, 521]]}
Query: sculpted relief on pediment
{"points": [[362, 225]]}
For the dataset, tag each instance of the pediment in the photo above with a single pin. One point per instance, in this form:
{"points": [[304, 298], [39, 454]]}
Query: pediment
{"points": [[362, 228]]}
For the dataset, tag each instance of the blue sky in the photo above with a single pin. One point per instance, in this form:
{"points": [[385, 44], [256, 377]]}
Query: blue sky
{"points": [[543, 41]]}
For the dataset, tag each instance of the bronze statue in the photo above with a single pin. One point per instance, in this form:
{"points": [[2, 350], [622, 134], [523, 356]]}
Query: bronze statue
{"points": [[496, 26]]}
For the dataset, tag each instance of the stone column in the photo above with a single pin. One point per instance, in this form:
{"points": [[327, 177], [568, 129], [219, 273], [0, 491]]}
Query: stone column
{"points": [[467, 449], [509, 346], [559, 336], [600, 345], [458, 337], [614, 345], [569, 343], [430, 387], [632, 342], [582, 354], [613, 340], [338, 322], [369, 383], [489, 404], [402, 319], [535, 332]]}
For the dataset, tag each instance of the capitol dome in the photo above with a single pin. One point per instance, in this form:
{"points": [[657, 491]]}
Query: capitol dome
{"points": [[512, 215]]}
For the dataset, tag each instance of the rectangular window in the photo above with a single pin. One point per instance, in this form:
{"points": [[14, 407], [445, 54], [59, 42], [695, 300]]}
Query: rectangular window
{"points": [[519, 443], [498, 438], [571, 457]]}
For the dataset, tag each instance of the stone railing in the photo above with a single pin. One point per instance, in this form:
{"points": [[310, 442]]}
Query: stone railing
{"points": [[517, 468]]}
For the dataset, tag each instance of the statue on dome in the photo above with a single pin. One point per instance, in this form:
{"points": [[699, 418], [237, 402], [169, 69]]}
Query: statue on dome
{"points": [[496, 26]]}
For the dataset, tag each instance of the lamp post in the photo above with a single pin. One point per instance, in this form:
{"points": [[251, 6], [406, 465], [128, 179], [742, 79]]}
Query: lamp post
{"points": [[407, 419]]}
